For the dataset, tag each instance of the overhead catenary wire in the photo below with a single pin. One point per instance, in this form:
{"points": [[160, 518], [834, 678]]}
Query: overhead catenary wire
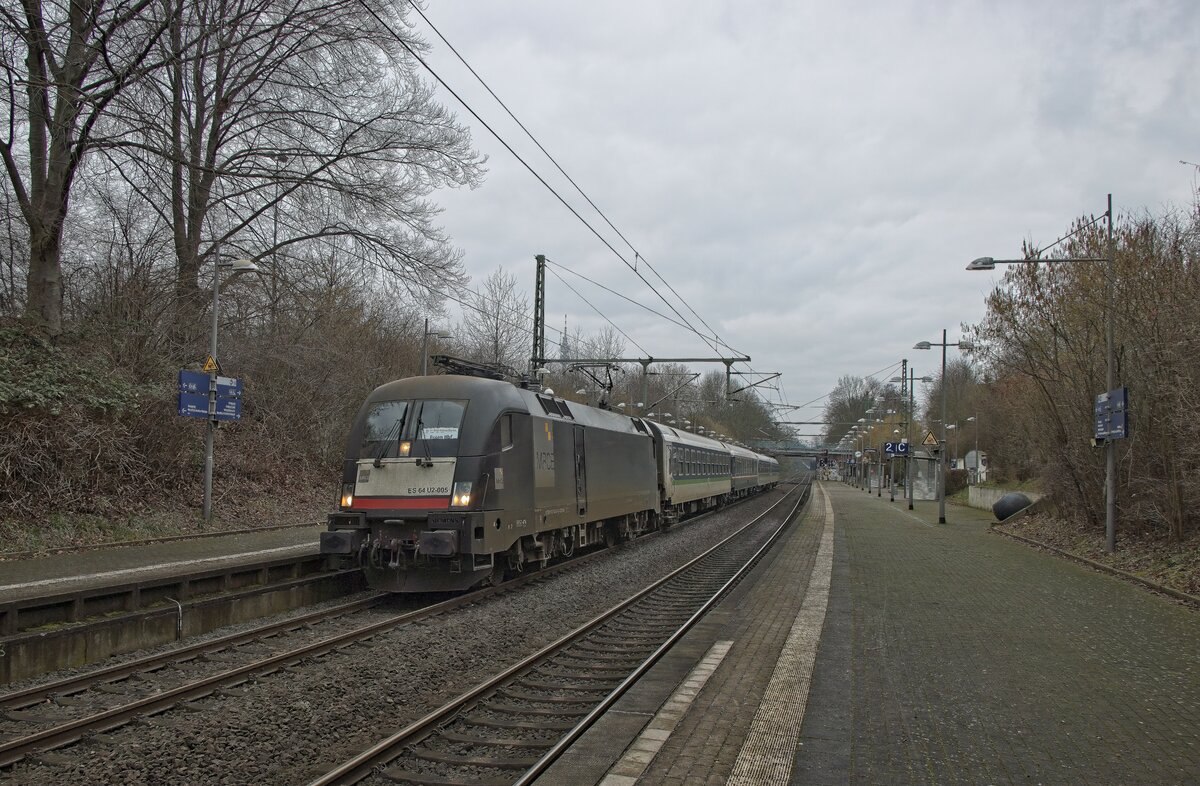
{"points": [[601, 313], [636, 254], [611, 291], [442, 288], [413, 53], [715, 341]]}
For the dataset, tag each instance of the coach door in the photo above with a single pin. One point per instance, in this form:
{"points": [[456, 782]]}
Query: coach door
{"points": [[580, 473]]}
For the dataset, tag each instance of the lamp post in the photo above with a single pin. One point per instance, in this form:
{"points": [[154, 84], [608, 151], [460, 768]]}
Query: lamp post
{"points": [[913, 379], [954, 454], [942, 459], [425, 347], [879, 476], [1110, 448], [236, 268], [864, 466], [975, 419]]}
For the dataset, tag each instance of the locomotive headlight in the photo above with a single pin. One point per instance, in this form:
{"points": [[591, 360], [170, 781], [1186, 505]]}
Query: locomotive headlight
{"points": [[405, 448], [347, 495], [462, 494]]}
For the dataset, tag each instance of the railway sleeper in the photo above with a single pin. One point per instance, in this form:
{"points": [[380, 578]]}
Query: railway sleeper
{"points": [[534, 725], [522, 709], [398, 775], [547, 699], [562, 686], [507, 742], [461, 760]]}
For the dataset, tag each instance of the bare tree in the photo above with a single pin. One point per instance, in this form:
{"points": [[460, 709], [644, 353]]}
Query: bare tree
{"points": [[64, 62], [1044, 334], [847, 402], [281, 123], [495, 327]]}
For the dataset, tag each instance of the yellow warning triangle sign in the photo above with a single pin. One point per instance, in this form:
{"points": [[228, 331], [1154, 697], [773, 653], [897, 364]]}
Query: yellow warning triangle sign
{"points": [[930, 440], [210, 365]]}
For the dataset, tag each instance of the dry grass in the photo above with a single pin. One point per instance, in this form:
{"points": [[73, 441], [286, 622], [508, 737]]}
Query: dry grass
{"points": [[301, 499], [1149, 555]]}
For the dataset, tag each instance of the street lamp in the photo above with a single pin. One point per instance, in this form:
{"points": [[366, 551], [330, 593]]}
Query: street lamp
{"points": [[975, 419], [913, 379], [962, 345], [1110, 448], [425, 346], [236, 268]]}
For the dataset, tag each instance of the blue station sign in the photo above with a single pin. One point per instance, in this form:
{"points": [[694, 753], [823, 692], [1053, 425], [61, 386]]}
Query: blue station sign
{"points": [[896, 448], [1112, 414], [194, 391]]}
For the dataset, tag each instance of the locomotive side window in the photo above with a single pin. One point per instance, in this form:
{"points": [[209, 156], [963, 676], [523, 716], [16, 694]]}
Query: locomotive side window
{"points": [[506, 441], [383, 427]]}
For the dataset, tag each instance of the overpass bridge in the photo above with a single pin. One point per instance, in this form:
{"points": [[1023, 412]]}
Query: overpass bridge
{"points": [[795, 448]]}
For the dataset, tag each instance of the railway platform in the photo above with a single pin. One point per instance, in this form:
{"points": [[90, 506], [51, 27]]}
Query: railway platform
{"points": [[875, 646], [115, 565]]}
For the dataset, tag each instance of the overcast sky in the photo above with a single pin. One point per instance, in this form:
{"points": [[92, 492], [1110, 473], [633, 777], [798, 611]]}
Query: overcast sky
{"points": [[812, 178]]}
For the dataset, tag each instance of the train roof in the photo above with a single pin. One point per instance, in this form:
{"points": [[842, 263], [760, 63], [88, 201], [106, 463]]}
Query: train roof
{"points": [[489, 397], [672, 434]]}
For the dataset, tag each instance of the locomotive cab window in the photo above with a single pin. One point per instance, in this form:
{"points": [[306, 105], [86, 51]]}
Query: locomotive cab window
{"points": [[400, 429], [435, 427], [383, 428]]}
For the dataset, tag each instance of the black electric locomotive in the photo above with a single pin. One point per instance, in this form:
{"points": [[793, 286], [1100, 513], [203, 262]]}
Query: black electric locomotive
{"points": [[452, 481]]}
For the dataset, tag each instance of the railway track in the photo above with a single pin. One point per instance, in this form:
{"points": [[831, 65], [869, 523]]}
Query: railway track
{"points": [[49, 716], [43, 718], [510, 728]]}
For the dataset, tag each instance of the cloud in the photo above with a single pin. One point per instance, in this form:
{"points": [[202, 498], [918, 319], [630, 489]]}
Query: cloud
{"points": [[813, 178]]}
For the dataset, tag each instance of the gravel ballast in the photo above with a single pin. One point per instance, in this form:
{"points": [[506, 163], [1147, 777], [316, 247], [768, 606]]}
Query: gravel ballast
{"points": [[290, 726]]}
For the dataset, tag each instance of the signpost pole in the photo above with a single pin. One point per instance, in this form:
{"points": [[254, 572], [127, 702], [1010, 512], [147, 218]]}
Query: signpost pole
{"points": [[212, 392], [1110, 448], [879, 491], [892, 477], [908, 461]]}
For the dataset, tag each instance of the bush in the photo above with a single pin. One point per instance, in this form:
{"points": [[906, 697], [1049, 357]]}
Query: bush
{"points": [[66, 428]]}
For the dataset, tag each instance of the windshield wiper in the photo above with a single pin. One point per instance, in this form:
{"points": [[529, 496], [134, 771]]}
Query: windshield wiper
{"points": [[388, 439], [424, 443]]}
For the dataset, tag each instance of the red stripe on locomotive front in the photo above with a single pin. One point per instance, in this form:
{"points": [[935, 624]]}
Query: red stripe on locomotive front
{"points": [[401, 503]]}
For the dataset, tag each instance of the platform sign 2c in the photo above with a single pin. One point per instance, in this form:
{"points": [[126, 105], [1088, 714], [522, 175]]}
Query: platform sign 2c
{"points": [[896, 448]]}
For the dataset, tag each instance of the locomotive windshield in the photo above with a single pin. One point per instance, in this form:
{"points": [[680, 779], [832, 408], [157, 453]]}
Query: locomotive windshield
{"points": [[383, 426], [440, 419], [412, 428]]}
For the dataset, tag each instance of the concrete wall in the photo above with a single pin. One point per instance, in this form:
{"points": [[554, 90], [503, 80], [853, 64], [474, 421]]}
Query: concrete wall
{"points": [[35, 652], [984, 498]]}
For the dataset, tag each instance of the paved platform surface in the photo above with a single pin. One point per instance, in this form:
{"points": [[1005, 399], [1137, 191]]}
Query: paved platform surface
{"points": [[69, 572], [946, 654]]}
